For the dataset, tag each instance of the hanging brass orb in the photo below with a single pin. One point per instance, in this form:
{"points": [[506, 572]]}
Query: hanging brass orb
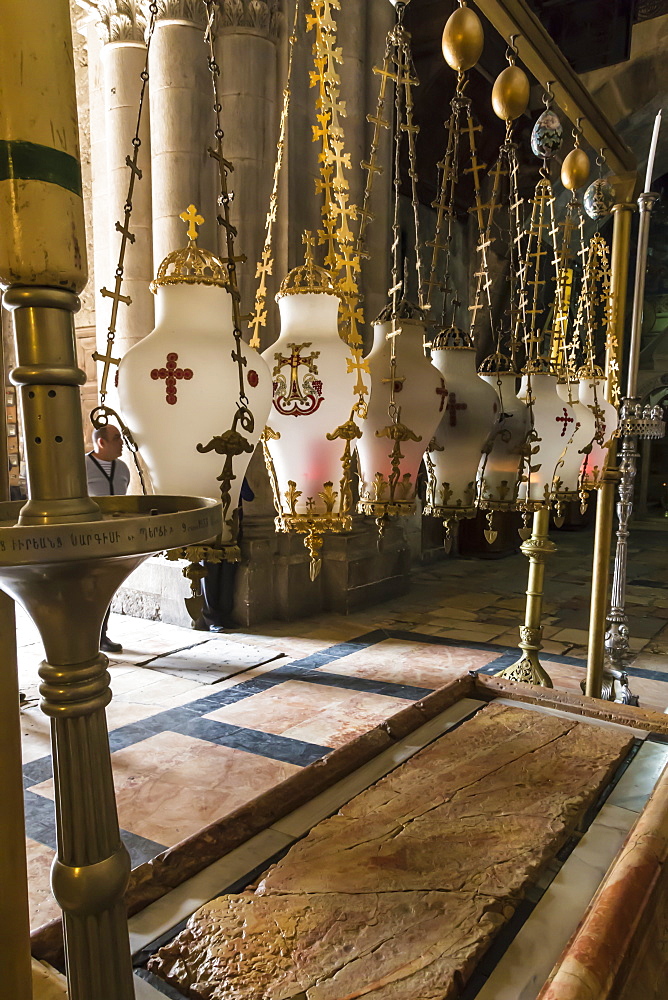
{"points": [[575, 169], [463, 39], [510, 94]]}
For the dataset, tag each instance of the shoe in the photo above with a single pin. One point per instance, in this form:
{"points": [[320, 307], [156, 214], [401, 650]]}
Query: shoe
{"points": [[220, 628], [108, 646]]}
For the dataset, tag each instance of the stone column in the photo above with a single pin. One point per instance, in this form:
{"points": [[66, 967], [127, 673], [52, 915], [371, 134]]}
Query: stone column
{"points": [[250, 96], [182, 126], [123, 62], [116, 59]]}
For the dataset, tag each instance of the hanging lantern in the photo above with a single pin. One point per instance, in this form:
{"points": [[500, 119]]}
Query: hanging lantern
{"points": [[553, 426], [307, 440], [567, 485], [180, 387], [593, 394], [469, 410], [408, 394], [503, 455]]}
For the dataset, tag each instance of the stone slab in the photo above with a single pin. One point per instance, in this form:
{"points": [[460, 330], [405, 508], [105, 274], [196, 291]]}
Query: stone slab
{"points": [[398, 895], [212, 660]]}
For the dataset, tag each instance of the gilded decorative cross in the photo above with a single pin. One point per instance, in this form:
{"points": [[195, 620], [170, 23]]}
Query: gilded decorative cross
{"points": [[358, 364], [309, 259], [193, 219]]}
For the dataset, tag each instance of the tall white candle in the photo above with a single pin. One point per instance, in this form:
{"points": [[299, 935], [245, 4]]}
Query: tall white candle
{"points": [[652, 152]]}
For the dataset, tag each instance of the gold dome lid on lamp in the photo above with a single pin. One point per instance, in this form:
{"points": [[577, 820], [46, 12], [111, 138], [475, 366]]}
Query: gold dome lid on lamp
{"points": [[191, 265]]}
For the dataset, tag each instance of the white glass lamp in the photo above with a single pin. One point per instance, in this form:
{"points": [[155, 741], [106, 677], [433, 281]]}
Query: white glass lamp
{"points": [[593, 394], [307, 440], [503, 457], [567, 484], [470, 408], [179, 387], [402, 415], [553, 426]]}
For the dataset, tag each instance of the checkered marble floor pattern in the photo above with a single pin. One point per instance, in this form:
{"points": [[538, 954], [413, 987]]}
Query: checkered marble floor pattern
{"points": [[186, 753]]}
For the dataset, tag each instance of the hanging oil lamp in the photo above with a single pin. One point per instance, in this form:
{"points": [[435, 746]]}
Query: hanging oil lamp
{"points": [[469, 411], [403, 411], [408, 394], [468, 406], [190, 431], [310, 428]]}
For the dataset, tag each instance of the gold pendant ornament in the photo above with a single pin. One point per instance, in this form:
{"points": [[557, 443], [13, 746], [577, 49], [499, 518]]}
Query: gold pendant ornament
{"points": [[463, 39]]}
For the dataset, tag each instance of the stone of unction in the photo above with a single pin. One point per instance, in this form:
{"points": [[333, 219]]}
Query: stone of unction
{"points": [[398, 895]]}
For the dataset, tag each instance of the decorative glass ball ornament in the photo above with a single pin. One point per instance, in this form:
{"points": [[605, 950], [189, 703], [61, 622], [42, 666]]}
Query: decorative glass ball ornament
{"points": [[503, 456], [553, 426], [547, 135], [179, 388], [463, 39], [469, 411], [593, 394], [599, 199], [403, 413], [567, 480], [310, 429]]}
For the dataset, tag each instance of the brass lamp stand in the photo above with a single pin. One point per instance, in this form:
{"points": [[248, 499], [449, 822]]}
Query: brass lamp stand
{"points": [[538, 547], [62, 554]]}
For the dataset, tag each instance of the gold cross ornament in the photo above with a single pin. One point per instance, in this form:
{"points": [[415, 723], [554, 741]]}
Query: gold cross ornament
{"points": [[193, 219]]}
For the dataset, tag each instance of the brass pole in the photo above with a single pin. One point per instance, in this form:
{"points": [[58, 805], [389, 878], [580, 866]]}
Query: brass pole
{"points": [[619, 271], [67, 554], [528, 668], [14, 915]]}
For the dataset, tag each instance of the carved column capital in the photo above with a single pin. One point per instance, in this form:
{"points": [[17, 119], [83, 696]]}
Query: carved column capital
{"points": [[263, 17], [116, 20], [182, 10]]}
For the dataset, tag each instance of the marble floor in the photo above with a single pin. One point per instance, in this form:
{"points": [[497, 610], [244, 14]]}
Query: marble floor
{"points": [[186, 751]]}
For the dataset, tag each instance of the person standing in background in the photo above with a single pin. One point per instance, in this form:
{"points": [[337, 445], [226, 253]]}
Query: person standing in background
{"points": [[107, 475]]}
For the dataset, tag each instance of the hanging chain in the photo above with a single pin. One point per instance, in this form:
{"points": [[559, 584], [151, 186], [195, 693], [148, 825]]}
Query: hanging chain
{"points": [[232, 443], [371, 166], [100, 415], [124, 227], [265, 265], [410, 80], [338, 211]]}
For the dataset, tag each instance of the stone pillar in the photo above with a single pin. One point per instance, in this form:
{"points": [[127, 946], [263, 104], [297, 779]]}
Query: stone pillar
{"points": [[116, 59], [182, 126], [123, 62], [250, 96]]}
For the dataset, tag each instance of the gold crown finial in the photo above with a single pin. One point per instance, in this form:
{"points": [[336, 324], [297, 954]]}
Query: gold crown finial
{"points": [[191, 265], [308, 277], [193, 219]]}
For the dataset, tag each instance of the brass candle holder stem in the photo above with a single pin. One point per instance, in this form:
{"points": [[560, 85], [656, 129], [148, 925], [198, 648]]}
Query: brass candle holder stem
{"points": [[538, 547], [14, 918]]}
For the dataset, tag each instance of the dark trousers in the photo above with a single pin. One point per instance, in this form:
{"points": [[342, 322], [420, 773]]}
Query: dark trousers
{"points": [[105, 622], [218, 593]]}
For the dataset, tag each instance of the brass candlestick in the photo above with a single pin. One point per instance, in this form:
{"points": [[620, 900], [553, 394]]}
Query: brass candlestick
{"points": [[538, 547], [63, 555]]}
